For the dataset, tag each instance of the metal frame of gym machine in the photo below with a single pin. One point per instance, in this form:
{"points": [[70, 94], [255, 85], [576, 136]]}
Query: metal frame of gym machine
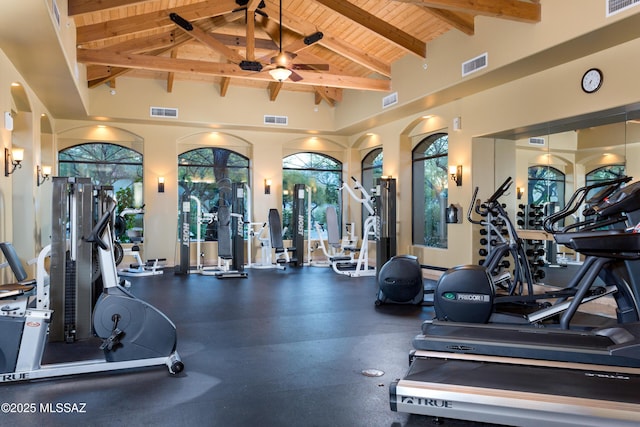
{"points": [[227, 268]]}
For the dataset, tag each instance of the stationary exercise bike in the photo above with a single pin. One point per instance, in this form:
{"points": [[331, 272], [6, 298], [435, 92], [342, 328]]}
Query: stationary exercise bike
{"points": [[134, 334]]}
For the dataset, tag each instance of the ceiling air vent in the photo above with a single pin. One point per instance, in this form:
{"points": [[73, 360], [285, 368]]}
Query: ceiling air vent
{"points": [[276, 120], [475, 64], [390, 100], [615, 6], [164, 112], [538, 140]]}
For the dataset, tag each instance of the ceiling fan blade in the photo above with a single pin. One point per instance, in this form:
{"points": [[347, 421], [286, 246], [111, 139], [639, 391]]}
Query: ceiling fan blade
{"points": [[311, 67], [294, 77]]}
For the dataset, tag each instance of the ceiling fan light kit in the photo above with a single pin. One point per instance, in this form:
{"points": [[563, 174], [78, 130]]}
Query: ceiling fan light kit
{"points": [[280, 73]]}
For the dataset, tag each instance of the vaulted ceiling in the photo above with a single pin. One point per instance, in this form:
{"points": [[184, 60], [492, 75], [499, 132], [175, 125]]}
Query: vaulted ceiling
{"points": [[328, 45]]}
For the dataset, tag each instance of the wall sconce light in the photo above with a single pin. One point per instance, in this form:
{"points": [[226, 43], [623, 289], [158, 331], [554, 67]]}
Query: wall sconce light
{"points": [[456, 174], [12, 160], [161, 184], [44, 173], [519, 192], [267, 186]]}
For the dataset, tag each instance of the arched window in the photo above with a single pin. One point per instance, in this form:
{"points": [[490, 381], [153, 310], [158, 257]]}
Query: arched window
{"points": [[430, 191], [546, 188], [105, 164], [207, 174], [604, 173], [108, 165], [371, 171], [320, 173]]}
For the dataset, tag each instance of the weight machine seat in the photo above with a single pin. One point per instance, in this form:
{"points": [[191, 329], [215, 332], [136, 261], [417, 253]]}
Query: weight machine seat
{"points": [[14, 289], [275, 230], [333, 231]]}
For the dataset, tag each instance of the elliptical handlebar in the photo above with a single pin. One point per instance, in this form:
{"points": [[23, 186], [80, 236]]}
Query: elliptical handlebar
{"points": [[578, 197], [489, 205], [500, 191], [470, 210], [96, 233]]}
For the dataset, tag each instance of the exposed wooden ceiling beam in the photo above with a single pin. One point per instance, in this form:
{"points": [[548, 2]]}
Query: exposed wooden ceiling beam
{"points": [[211, 42], [251, 29], [158, 63], [274, 90], [327, 94], [155, 44], [334, 44], [224, 86], [171, 75], [516, 10], [377, 25], [150, 21], [458, 20], [80, 7]]}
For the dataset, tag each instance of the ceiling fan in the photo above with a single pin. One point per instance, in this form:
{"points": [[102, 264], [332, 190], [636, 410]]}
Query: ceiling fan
{"points": [[282, 63], [281, 66]]}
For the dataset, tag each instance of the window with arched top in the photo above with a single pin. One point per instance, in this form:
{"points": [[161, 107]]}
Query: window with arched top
{"points": [[109, 165], [322, 175], [207, 174], [371, 172], [546, 186], [430, 190], [604, 173]]}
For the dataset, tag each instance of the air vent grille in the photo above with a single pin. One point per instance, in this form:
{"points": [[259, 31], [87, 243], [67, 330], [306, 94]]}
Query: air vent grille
{"points": [[536, 141], [615, 6], [475, 64], [390, 100], [276, 120], [164, 112]]}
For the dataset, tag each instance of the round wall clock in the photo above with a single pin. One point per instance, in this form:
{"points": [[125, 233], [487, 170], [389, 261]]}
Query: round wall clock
{"points": [[592, 80]]}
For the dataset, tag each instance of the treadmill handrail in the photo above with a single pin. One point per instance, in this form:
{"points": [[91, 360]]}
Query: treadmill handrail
{"points": [[574, 203]]}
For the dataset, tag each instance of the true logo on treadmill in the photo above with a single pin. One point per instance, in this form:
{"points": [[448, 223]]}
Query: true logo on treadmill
{"points": [[422, 401]]}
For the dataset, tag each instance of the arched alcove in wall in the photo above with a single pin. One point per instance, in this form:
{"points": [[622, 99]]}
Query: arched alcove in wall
{"points": [[99, 133], [215, 139], [23, 228], [315, 144]]}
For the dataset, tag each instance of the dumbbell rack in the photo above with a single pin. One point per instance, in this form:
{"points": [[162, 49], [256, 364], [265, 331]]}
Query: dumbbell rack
{"points": [[493, 233], [532, 215]]}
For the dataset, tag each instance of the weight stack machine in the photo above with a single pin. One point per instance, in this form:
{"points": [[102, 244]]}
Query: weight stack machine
{"points": [[72, 265], [299, 191], [237, 226], [184, 236], [385, 206]]}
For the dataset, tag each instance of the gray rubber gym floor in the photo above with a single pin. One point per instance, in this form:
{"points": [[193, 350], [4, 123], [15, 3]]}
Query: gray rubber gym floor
{"points": [[280, 348]]}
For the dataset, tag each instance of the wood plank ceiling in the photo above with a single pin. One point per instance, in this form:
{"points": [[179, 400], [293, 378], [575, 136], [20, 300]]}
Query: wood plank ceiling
{"points": [[329, 45]]}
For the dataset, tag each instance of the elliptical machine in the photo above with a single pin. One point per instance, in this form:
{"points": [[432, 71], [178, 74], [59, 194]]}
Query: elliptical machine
{"points": [[134, 334], [468, 293]]}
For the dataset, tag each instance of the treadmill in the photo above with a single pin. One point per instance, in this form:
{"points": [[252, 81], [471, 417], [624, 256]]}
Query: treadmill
{"points": [[532, 375]]}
